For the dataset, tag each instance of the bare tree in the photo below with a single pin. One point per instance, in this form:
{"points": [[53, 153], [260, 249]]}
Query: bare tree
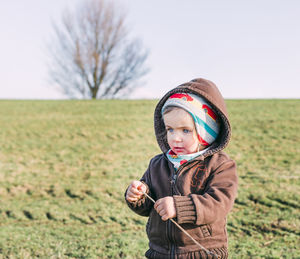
{"points": [[92, 55]]}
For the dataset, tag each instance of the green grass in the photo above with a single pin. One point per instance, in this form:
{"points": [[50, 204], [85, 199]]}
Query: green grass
{"points": [[64, 167]]}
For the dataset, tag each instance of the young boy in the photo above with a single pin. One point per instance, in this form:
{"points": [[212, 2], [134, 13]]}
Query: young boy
{"points": [[193, 181]]}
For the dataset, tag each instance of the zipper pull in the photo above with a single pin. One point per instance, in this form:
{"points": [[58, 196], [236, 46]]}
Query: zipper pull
{"points": [[174, 178]]}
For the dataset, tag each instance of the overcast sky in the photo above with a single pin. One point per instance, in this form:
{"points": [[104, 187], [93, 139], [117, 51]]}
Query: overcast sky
{"points": [[250, 48]]}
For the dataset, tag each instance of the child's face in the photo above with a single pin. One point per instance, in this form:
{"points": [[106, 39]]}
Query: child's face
{"points": [[181, 132]]}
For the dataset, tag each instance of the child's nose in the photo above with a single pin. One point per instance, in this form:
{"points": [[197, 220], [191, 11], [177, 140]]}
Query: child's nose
{"points": [[177, 137]]}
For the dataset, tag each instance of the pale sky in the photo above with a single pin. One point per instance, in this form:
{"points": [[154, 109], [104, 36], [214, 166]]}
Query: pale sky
{"points": [[250, 48]]}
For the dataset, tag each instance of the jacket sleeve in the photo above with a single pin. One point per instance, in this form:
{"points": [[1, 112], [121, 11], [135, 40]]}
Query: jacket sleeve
{"points": [[143, 206], [217, 200]]}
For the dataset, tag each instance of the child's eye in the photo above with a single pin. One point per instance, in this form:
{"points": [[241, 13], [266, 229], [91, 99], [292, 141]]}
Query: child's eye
{"points": [[170, 130], [186, 131]]}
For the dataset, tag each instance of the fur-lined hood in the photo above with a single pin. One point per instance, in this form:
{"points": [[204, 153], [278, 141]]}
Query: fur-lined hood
{"points": [[210, 92]]}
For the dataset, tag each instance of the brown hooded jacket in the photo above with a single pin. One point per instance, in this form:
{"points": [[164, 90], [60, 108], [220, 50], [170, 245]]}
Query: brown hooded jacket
{"points": [[203, 188]]}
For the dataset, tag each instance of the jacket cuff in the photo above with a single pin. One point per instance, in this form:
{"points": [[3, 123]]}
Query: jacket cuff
{"points": [[185, 209]]}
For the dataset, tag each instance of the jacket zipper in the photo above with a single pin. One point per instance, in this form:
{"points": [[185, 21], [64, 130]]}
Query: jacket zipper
{"points": [[169, 224], [172, 252]]}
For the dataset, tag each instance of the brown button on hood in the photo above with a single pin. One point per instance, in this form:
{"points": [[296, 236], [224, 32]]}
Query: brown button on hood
{"points": [[210, 92]]}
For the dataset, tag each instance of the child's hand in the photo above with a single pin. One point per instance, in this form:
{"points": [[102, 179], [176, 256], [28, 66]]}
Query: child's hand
{"points": [[135, 191], [165, 207]]}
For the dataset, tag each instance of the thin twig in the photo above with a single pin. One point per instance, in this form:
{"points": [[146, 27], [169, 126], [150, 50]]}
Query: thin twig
{"points": [[184, 231]]}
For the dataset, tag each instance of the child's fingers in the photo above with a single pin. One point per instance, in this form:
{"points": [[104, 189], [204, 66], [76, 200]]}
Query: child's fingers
{"points": [[156, 206], [165, 217], [165, 208], [136, 184], [131, 199], [139, 186], [160, 208], [164, 214], [135, 191], [159, 203], [133, 195], [142, 188]]}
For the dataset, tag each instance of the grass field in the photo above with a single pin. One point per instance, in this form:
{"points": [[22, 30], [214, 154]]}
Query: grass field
{"points": [[64, 167]]}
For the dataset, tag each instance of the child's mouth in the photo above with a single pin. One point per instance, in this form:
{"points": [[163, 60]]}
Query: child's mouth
{"points": [[178, 149]]}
